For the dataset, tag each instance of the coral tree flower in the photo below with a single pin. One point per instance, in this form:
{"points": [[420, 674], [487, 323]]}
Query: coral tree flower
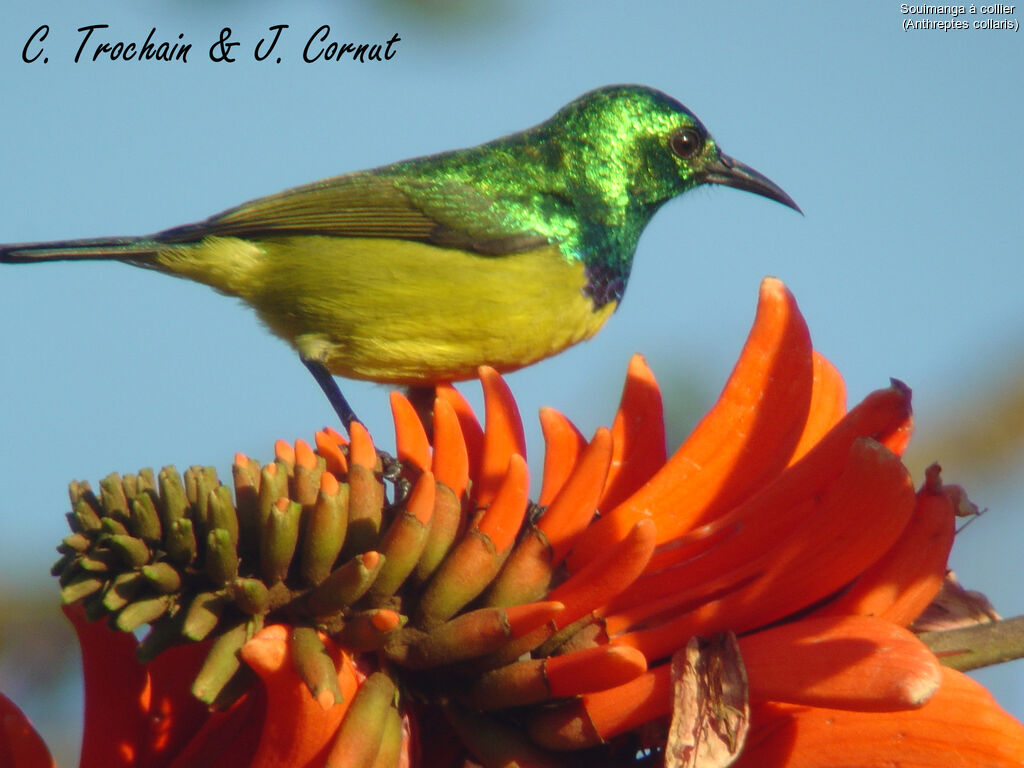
{"points": [[20, 745], [782, 547], [793, 523]]}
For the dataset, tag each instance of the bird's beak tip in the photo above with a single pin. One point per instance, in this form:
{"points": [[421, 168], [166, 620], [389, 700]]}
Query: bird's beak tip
{"points": [[732, 173]]}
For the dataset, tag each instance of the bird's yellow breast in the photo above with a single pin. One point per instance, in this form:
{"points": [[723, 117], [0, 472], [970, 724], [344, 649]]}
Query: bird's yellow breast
{"points": [[400, 311]]}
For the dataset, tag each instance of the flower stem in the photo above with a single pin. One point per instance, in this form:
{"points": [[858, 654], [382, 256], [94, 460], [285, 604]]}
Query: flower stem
{"points": [[979, 645]]}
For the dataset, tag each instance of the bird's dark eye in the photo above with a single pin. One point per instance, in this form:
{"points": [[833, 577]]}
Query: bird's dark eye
{"points": [[686, 142]]}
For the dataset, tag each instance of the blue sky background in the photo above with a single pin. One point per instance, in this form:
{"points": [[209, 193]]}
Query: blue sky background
{"points": [[903, 149]]}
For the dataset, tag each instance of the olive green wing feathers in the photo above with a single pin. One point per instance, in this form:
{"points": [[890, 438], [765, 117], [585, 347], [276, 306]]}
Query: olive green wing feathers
{"points": [[367, 204]]}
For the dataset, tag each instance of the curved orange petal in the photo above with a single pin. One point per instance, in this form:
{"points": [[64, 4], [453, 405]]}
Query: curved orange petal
{"points": [[767, 517], [361, 451], [597, 717], [896, 440], [503, 435], [335, 435], [859, 516], [304, 456], [605, 576], [744, 440], [563, 444], [828, 404], [592, 669], [20, 745], [847, 662], [563, 676], [502, 520], [327, 447], [574, 505], [329, 484], [135, 714], [174, 715], [960, 727], [227, 739], [638, 435], [284, 453], [298, 729], [471, 431], [411, 443], [451, 460], [420, 503], [626, 611], [116, 693], [904, 581]]}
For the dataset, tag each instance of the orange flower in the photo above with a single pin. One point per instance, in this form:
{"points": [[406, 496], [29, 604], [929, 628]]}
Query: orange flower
{"points": [[960, 725], [145, 715], [393, 611], [780, 504], [20, 745]]}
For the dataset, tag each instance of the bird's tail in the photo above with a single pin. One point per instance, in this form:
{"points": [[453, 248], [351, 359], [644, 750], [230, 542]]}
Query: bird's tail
{"points": [[136, 250]]}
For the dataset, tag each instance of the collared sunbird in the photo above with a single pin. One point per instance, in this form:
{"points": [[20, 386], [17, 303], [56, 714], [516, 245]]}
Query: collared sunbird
{"points": [[419, 272]]}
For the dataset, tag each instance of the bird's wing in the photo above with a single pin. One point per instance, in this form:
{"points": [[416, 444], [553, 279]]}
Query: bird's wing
{"points": [[368, 205]]}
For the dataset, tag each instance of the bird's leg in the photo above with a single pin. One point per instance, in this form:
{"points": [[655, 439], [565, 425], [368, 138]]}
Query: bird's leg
{"points": [[330, 387]]}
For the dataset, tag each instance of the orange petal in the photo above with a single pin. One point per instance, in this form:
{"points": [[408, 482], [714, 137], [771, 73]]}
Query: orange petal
{"points": [[385, 620], [634, 606], [471, 431], [116, 693], [638, 435], [528, 616], [370, 559], [135, 714], [451, 460], [304, 456], [329, 484], [762, 521], [421, 500], [586, 721], [563, 444], [960, 727], [411, 441], [859, 516], [284, 453], [20, 745], [900, 585], [335, 435], [896, 440], [502, 520], [573, 507], [175, 716], [592, 669], [503, 435], [328, 448], [227, 739], [361, 451], [744, 440], [828, 404], [298, 729], [562, 676], [847, 662], [605, 576], [755, 527]]}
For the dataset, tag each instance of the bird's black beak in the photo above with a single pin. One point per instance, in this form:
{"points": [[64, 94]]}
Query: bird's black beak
{"points": [[733, 173]]}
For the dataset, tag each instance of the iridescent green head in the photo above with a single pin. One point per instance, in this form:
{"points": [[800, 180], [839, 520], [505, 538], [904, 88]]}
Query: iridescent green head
{"points": [[621, 152], [640, 142]]}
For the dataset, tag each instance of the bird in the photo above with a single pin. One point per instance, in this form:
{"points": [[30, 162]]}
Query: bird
{"points": [[421, 271]]}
